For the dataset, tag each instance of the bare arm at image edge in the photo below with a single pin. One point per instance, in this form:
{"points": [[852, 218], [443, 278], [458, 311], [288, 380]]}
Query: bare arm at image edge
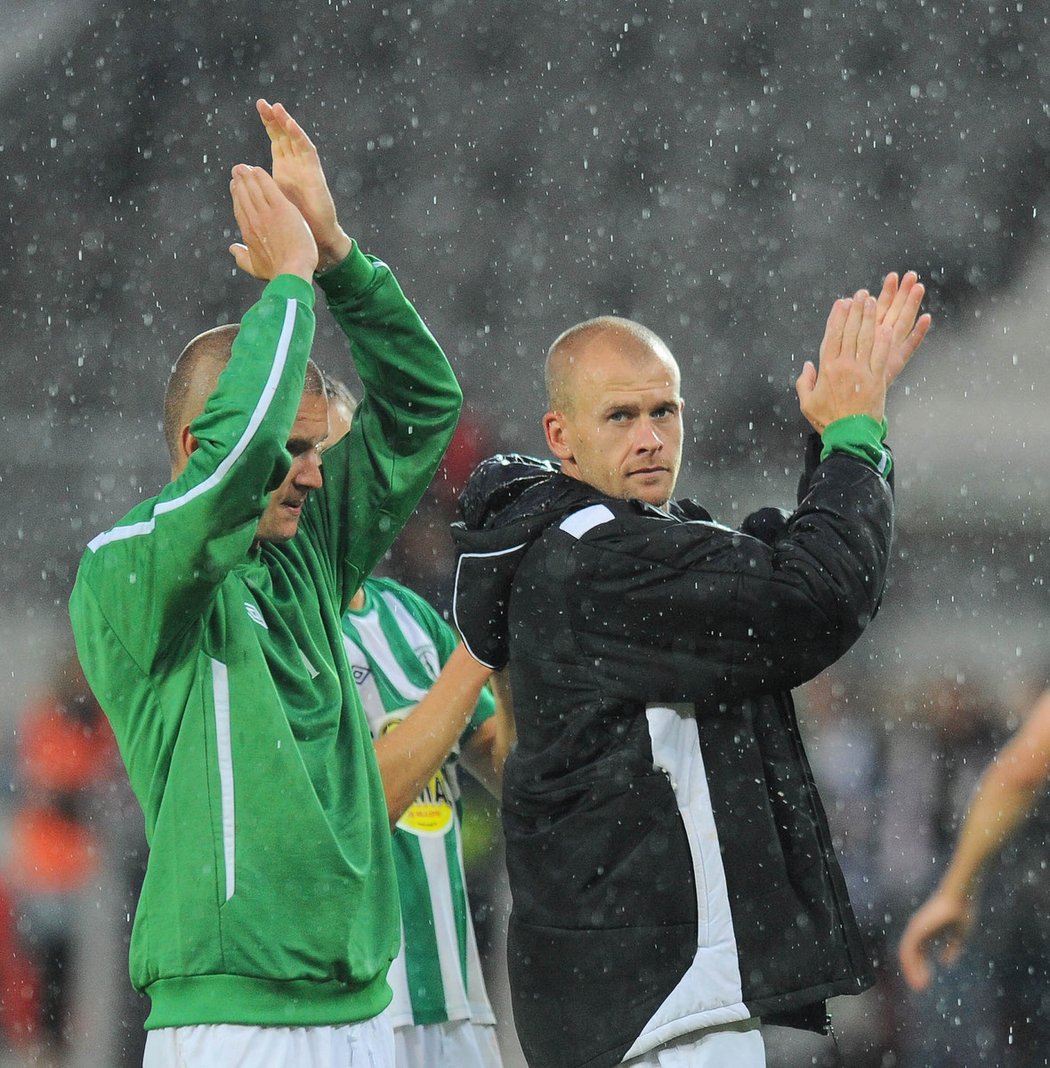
{"points": [[1004, 797]]}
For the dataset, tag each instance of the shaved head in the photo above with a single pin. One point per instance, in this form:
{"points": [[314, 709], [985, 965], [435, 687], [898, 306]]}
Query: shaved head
{"points": [[195, 376], [607, 333], [193, 380]]}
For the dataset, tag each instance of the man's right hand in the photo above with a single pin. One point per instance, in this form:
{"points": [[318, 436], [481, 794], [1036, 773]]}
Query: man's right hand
{"points": [[853, 359], [276, 239], [297, 171]]}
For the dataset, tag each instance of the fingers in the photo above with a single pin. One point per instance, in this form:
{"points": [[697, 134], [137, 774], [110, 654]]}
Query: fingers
{"points": [[937, 930], [913, 952], [898, 308], [890, 286], [241, 195], [291, 128], [273, 118], [242, 257], [906, 295], [866, 329], [246, 208], [851, 329], [915, 966], [881, 349], [255, 186], [836, 324], [906, 305], [806, 381], [805, 387], [265, 219], [284, 132], [249, 192], [902, 310], [914, 339]]}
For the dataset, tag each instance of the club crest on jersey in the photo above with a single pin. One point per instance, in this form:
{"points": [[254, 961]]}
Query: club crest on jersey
{"points": [[432, 813]]}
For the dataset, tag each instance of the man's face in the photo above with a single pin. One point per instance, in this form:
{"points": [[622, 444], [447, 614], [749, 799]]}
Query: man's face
{"points": [[280, 521], [622, 430]]}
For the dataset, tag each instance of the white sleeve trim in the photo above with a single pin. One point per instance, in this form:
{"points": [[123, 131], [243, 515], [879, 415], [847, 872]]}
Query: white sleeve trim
{"points": [[135, 530]]}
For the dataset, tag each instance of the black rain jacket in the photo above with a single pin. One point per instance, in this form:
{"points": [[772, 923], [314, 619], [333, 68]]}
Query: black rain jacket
{"points": [[669, 858]]}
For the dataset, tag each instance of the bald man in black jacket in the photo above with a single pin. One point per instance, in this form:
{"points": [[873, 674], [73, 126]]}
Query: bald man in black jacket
{"points": [[670, 862]]}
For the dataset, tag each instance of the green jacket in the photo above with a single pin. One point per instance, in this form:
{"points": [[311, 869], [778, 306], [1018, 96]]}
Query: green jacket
{"points": [[270, 896]]}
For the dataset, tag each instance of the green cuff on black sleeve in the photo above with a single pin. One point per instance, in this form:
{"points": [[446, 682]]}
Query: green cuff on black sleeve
{"points": [[861, 437], [348, 279], [291, 285]]}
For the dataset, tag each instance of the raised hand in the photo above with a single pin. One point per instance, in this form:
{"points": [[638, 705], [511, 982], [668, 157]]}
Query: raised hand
{"points": [[298, 173], [853, 356], [276, 239]]}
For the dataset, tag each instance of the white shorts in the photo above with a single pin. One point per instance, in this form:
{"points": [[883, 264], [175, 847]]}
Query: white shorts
{"points": [[739, 1045], [369, 1044], [456, 1044]]}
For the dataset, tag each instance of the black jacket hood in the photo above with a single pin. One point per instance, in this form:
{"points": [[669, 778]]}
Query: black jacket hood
{"points": [[507, 503]]}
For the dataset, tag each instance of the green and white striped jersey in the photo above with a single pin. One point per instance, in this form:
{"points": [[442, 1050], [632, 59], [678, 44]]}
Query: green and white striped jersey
{"points": [[396, 645]]}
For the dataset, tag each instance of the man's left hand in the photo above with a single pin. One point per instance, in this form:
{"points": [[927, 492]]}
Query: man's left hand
{"points": [[298, 174]]}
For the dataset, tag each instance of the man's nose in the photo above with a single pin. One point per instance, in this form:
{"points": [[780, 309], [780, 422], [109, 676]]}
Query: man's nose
{"points": [[647, 438], [308, 474]]}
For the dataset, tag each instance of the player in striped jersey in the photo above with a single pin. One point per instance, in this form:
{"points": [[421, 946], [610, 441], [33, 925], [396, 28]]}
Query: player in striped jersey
{"points": [[424, 724]]}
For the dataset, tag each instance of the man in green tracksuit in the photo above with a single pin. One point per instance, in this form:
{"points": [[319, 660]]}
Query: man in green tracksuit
{"points": [[208, 623]]}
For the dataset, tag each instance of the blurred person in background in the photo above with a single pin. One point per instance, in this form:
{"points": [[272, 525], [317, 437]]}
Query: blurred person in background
{"points": [[208, 623], [669, 859], [66, 757], [944, 731], [1011, 797], [842, 737]]}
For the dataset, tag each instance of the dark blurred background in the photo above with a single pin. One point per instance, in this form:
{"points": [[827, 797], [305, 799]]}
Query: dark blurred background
{"points": [[720, 173]]}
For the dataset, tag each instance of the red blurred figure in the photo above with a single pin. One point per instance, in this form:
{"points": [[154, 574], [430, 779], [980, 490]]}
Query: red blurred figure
{"points": [[66, 751]]}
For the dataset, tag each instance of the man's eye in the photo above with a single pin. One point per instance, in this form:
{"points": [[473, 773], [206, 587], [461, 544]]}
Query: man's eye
{"points": [[618, 417]]}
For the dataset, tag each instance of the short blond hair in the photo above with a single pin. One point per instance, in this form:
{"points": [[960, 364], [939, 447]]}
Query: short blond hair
{"points": [[557, 369]]}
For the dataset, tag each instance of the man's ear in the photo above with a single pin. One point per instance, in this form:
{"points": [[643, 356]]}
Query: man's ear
{"points": [[557, 438], [188, 441], [187, 447]]}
